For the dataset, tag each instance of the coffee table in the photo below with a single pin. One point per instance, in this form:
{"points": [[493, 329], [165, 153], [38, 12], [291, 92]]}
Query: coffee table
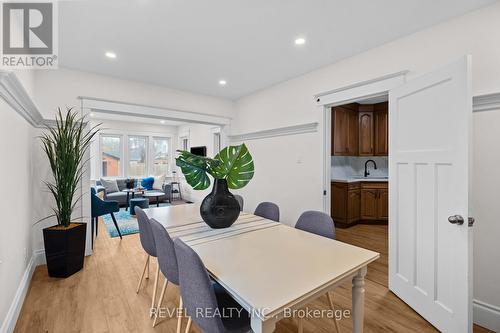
{"points": [[154, 194], [133, 191]]}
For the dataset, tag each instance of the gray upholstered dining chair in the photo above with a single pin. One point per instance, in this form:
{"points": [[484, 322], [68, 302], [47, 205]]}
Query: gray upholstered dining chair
{"points": [[148, 244], [317, 223], [240, 200], [321, 224], [199, 292], [268, 210], [167, 261]]}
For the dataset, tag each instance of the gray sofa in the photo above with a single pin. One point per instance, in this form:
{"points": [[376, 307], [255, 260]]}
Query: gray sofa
{"points": [[121, 197]]}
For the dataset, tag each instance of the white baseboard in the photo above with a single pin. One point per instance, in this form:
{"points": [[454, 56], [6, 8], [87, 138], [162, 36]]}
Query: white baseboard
{"points": [[9, 323], [486, 315]]}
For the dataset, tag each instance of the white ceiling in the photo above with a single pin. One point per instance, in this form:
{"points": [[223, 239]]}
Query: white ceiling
{"points": [[192, 44]]}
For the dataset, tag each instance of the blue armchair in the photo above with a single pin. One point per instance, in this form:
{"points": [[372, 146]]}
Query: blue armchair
{"points": [[102, 207]]}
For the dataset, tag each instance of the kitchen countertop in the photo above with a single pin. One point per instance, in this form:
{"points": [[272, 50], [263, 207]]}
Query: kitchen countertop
{"points": [[360, 179]]}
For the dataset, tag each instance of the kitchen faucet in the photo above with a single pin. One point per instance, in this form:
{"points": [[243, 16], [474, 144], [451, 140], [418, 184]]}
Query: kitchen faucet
{"points": [[366, 167]]}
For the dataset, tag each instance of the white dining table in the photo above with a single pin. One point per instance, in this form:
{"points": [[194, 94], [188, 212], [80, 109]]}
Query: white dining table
{"points": [[269, 268]]}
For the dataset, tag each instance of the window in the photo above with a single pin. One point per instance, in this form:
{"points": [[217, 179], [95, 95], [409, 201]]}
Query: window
{"points": [[111, 155], [216, 143], [134, 155], [160, 156], [137, 156]]}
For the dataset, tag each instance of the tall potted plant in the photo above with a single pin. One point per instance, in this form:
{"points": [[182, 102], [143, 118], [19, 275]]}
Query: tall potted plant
{"points": [[65, 145], [231, 168]]}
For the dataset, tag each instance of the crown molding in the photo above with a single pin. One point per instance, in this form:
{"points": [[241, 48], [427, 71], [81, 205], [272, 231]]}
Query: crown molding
{"points": [[113, 107], [487, 102], [13, 92], [280, 131]]}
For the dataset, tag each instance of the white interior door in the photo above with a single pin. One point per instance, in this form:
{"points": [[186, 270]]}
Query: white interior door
{"points": [[430, 261]]}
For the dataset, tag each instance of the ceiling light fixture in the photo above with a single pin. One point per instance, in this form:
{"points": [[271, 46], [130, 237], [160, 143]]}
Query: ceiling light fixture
{"points": [[91, 114], [300, 41], [111, 55], [222, 82], [162, 121]]}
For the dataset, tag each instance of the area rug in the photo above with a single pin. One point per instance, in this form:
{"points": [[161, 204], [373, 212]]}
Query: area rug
{"points": [[128, 223]]}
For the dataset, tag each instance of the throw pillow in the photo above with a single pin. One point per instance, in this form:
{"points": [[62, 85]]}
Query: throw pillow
{"points": [[147, 183], [110, 185], [158, 183]]}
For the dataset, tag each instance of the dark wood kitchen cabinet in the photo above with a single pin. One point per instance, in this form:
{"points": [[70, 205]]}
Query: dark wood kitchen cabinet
{"points": [[381, 129], [374, 201], [360, 130], [345, 202], [366, 136], [345, 130]]}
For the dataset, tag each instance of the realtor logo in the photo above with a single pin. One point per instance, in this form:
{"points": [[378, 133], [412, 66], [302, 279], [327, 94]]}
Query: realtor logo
{"points": [[28, 35]]}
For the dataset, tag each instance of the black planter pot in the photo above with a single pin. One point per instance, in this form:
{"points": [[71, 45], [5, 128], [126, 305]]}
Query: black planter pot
{"points": [[64, 249], [220, 209]]}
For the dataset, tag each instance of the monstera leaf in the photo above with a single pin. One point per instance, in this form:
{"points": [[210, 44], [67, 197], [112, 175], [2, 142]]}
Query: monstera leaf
{"points": [[236, 166], [195, 169]]}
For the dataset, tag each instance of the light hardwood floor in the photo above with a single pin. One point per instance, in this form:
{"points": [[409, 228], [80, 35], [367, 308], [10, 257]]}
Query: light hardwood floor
{"points": [[102, 298]]}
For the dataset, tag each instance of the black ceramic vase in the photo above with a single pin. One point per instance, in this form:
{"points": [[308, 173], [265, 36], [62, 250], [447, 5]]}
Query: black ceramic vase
{"points": [[219, 209]]}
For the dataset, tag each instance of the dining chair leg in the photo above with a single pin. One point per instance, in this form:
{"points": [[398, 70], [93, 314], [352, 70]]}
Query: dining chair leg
{"points": [[162, 295], [179, 317], [300, 325], [116, 225], [155, 286], [142, 275], [188, 327], [332, 307], [96, 225], [147, 269]]}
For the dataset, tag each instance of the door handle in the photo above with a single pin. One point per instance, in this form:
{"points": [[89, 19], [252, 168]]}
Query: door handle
{"points": [[456, 219], [471, 221]]}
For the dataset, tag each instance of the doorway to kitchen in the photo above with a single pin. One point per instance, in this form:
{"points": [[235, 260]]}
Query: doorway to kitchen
{"points": [[359, 162], [359, 195]]}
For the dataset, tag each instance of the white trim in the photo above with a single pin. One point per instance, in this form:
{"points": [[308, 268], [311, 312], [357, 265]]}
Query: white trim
{"points": [[488, 102], [327, 159], [148, 111], [486, 315], [365, 89], [344, 95], [280, 131], [13, 92], [9, 323]]}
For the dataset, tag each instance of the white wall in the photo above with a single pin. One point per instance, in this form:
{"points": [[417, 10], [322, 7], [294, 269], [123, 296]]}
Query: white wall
{"points": [[297, 187], [485, 200], [198, 135], [15, 238]]}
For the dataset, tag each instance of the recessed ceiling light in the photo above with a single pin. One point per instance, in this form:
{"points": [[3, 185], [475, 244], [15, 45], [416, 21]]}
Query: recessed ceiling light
{"points": [[162, 121], [222, 82], [300, 41], [110, 54], [91, 114]]}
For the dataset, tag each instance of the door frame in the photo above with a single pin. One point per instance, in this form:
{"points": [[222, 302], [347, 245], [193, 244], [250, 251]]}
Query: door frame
{"points": [[376, 87]]}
